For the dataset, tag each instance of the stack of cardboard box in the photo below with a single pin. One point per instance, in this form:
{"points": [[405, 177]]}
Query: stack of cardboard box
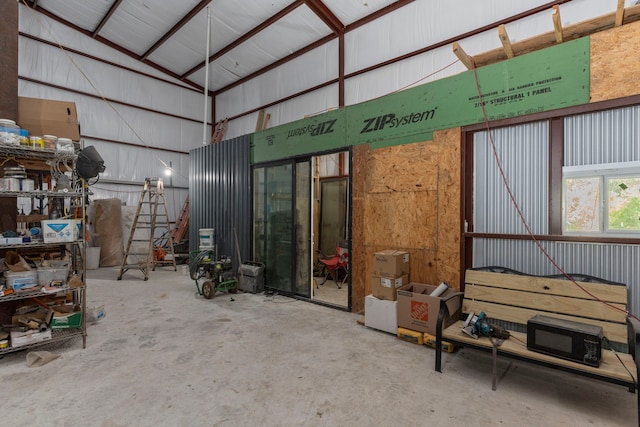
{"points": [[390, 271]]}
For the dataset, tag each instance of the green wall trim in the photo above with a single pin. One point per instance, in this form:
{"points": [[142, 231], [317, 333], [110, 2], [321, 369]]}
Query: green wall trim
{"points": [[548, 79]]}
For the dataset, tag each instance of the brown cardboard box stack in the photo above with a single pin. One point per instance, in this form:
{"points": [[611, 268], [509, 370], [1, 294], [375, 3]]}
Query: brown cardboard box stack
{"points": [[390, 272]]}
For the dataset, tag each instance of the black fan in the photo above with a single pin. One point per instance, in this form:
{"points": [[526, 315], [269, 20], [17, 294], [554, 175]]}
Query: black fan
{"points": [[89, 163]]}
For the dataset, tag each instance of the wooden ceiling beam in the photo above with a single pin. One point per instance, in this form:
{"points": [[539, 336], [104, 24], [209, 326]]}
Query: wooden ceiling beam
{"points": [[462, 55], [570, 32], [557, 24], [619, 13], [506, 43]]}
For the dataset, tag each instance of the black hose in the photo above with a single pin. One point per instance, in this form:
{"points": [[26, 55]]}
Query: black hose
{"points": [[197, 262]]}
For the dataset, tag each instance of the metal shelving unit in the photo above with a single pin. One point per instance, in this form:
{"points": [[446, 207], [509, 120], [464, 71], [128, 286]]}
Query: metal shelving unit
{"points": [[78, 247]]}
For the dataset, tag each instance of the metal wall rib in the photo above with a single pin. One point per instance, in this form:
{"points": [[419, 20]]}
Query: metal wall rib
{"points": [[220, 196], [602, 137], [524, 154]]}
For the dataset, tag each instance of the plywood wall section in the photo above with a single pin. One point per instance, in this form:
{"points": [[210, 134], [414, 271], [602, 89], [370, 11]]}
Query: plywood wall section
{"points": [[615, 63], [407, 197]]}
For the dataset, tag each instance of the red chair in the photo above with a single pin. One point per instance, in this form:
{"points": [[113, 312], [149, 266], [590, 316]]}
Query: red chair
{"points": [[337, 267]]}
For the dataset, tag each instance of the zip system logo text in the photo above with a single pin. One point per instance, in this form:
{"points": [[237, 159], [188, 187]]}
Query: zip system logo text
{"points": [[392, 121], [313, 130]]}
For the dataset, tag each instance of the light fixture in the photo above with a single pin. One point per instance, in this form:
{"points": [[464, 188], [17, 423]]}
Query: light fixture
{"points": [[167, 171]]}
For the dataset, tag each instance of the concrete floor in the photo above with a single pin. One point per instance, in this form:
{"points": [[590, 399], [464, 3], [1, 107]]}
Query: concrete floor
{"points": [[164, 356]]}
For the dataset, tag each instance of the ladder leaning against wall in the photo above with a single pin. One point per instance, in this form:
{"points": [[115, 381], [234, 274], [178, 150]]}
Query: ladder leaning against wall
{"points": [[144, 250]]}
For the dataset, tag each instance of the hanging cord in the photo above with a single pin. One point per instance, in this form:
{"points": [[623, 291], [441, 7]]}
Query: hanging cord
{"points": [[519, 211]]}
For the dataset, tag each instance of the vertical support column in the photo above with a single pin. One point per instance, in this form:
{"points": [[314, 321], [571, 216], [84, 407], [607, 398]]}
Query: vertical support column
{"points": [[9, 63]]}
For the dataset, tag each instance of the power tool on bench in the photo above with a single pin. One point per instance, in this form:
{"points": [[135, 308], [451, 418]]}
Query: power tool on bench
{"points": [[477, 325]]}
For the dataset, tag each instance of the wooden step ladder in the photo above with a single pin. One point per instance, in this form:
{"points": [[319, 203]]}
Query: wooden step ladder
{"points": [[146, 223]]}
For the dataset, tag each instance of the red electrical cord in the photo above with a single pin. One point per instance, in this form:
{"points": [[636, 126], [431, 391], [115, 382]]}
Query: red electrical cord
{"points": [[517, 206]]}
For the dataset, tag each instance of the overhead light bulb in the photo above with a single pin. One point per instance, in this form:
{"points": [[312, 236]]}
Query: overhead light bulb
{"points": [[167, 171]]}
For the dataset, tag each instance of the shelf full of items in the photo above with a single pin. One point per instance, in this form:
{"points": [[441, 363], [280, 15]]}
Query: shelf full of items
{"points": [[43, 284]]}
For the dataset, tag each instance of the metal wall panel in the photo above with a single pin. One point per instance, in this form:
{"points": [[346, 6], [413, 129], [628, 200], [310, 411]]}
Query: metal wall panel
{"points": [[617, 263], [524, 154], [220, 196], [602, 137]]}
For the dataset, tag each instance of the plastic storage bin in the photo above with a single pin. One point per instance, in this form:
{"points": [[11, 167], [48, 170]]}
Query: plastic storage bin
{"points": [[9, 132], [21, 280], [46, 275]]}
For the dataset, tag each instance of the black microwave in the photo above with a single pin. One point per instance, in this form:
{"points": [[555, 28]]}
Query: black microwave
{"points": [[575, 341]]}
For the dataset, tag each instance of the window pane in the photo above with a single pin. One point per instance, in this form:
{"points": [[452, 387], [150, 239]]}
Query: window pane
{"points": [[582, 204], [624, 203]]}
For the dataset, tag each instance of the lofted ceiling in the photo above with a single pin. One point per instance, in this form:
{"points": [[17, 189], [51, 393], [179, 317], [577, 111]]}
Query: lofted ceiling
{"points": [[247, 37]]}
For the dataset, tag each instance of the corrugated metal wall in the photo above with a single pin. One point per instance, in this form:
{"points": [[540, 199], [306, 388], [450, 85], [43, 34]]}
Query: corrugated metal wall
{"points": [[602, 137], [524, 154], [220, 195]]}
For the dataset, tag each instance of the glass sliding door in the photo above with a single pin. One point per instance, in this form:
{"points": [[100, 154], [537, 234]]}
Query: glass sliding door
{"points": [[282, 198], [304, 272]]}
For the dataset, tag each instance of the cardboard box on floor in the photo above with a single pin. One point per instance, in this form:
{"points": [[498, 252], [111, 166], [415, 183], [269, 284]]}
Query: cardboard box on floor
{"points": [[48, 117], [418, 311], [380, 314], [386, 288], [391, 263]]}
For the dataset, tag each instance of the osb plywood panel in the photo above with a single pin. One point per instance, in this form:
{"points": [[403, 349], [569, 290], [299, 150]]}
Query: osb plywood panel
{"points": [[404, 218], [449, 229], [392, 212], [359, 285], [403, 168], [615, 63]]}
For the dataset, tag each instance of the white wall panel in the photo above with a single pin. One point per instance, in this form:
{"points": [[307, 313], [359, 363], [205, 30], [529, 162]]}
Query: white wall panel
{"points": [[40, 26], [311, 103], [312, 69]]}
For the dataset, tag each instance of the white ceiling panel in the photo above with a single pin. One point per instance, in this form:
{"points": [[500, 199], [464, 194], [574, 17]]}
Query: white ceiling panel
{"points": [[137, 24], [349, 11], [86, 14]]}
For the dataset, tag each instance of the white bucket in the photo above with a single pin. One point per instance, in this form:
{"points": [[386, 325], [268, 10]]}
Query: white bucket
{"points": [[93, 257], [207, 238]]}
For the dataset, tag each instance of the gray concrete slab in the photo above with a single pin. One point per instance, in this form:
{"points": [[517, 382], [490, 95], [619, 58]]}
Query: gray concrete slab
{"points": [[164, 356]]}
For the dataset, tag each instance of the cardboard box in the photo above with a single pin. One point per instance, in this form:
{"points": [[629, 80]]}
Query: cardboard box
{"points": [[380, 314], [20, 339], [61, 230], [64, 317], [418, 311], [391, 263], [48, 117], [386, 287]]}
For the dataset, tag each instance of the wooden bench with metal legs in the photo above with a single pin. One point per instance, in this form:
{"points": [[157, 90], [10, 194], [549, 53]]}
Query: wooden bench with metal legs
{"points": [[510, 299]]}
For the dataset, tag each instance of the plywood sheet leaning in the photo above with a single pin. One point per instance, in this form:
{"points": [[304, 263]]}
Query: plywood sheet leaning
{"points": [[108, 235]]}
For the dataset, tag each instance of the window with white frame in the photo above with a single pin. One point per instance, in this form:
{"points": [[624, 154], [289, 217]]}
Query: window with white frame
{"points": [[602, 199]]}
